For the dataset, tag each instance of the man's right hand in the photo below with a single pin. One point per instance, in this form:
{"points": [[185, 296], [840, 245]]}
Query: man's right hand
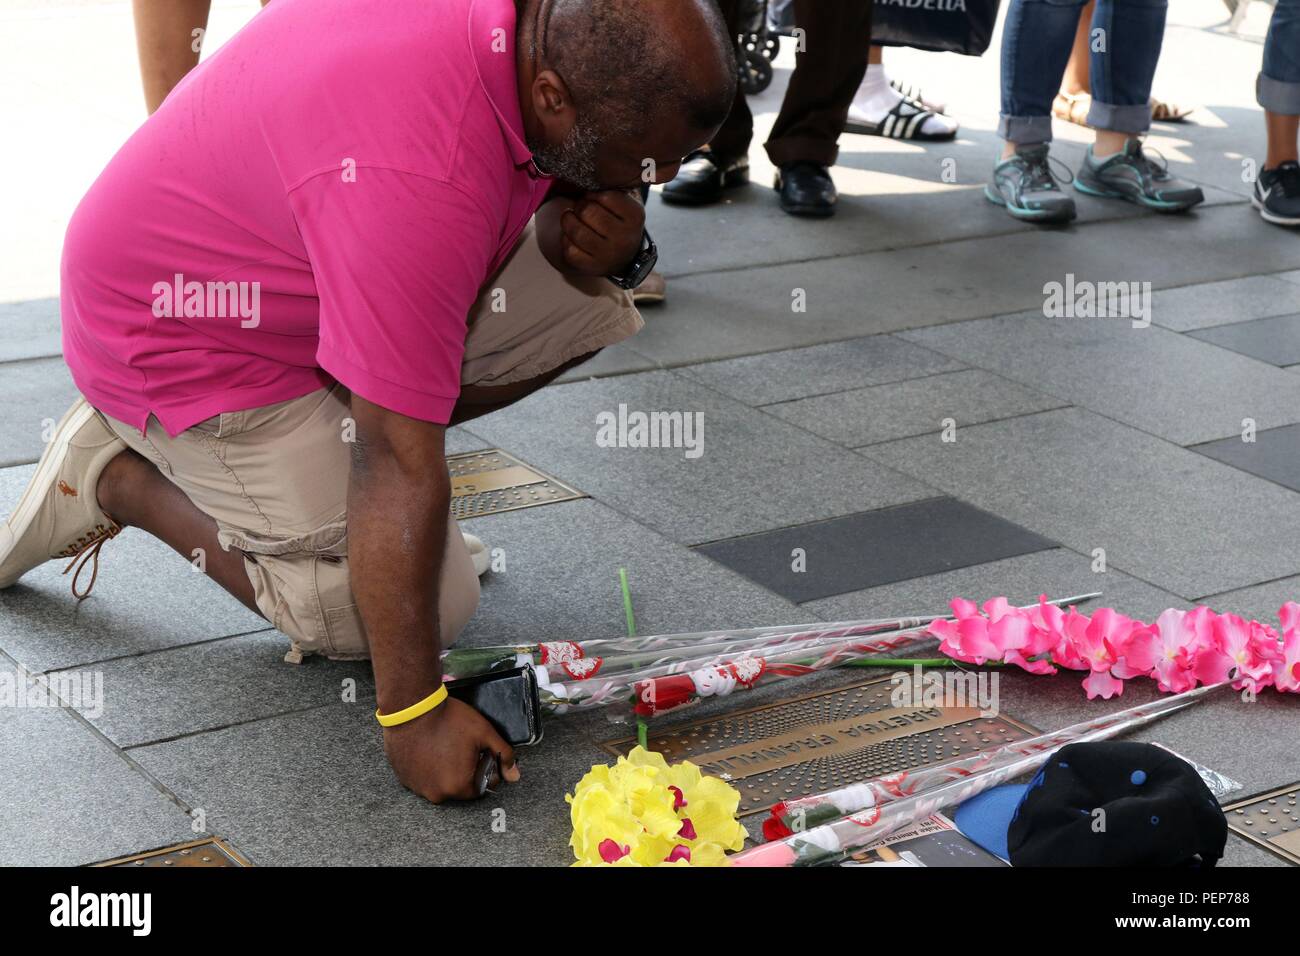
{"points": [[436, 754]]}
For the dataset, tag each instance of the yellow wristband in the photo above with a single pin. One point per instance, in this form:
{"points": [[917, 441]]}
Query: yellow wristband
{"points": [[415, 710]]}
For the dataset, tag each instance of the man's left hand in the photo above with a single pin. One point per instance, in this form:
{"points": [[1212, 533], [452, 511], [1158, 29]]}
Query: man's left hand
{"points": [[602, 233]]}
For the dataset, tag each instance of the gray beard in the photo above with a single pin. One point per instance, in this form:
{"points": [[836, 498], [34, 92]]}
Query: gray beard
{"points": [[574, 160]]}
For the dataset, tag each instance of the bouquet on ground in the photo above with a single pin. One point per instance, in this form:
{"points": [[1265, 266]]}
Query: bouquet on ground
{"points": [[1179, 650], [831, 842], [790, 817], [644, 812]]}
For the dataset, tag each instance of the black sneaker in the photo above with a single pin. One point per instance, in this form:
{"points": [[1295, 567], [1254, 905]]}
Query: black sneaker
{"points": [[1277, 194], [1136, 177], [1027, 186]]}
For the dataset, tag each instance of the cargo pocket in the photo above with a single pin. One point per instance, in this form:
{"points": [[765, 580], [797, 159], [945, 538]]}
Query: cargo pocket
{"points": [[345, 635]]}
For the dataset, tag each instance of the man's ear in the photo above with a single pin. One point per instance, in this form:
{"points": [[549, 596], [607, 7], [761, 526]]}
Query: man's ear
{"points": [[551, 99]]}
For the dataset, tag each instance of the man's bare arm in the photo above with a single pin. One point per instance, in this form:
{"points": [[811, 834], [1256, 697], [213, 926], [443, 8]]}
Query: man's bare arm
{"points": [[398, 499]]}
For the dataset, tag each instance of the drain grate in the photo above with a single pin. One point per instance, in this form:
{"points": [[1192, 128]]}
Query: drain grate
{"points": [[826, 740], [1271, 821], [492, 481], [200, 853]]}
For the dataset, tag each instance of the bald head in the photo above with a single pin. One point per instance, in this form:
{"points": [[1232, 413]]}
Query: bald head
{"points": [[631, 64]]}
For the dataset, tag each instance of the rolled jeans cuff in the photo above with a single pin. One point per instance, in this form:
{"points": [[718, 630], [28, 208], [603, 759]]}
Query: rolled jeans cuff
{"points": [[1130, 118], [1024, 130], [1278, 96]]}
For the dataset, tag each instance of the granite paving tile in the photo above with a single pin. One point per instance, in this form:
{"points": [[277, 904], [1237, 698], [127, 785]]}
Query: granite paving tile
{"points": [[917, 407], [854, 552], [1173, 518], [68, 798], [1275, 340], [1153, 379], [1274, 454], [820, 369], [751, 473]]}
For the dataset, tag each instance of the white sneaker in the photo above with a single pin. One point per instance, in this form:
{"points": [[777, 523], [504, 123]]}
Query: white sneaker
{"points": [[58, 515], [479, 552]]}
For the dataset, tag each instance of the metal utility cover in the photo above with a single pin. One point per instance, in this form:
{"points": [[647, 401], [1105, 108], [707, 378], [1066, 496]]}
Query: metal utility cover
{"points": [[1271, 821], [492, 481], [201, 853], [822, 741]]}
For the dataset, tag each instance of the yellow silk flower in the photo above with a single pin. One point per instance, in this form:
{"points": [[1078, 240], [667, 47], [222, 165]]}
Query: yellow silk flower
{"points": [[643, 812]]}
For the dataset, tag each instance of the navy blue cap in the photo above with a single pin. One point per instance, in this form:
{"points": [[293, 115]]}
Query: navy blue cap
{"points": [[1114, 803]]}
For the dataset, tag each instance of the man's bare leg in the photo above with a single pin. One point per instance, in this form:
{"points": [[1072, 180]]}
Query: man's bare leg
{"points": [[136, 494]]}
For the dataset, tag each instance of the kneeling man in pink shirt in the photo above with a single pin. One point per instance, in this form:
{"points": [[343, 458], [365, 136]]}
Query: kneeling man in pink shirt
{"points": [[358, 223]]}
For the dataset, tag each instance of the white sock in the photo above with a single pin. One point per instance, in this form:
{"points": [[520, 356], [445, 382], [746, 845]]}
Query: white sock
{"points": [[875, 98]]}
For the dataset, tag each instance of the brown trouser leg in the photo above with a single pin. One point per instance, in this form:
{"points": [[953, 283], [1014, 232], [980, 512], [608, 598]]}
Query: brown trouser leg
{"points": [[837, 41]]}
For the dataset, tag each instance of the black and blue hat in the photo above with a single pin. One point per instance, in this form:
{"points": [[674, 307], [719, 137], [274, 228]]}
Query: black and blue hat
{"points": [[1114, 803]]}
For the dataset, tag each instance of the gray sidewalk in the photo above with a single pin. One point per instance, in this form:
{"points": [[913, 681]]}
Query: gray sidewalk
{"points": [[924, 304]]}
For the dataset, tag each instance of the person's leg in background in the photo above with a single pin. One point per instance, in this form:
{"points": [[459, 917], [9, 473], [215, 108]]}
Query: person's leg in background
{"points": [[723, 164], [1074, 99], [167, 44], [1122, 67], [1036, 41], [881, 107], [827, 74], [1277, 186], [165, 40]]}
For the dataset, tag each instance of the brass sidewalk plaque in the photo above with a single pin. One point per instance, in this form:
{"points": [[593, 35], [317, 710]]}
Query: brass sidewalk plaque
{"points": [[1271, 821], [492, 481], [822, 741], [204, 854]]}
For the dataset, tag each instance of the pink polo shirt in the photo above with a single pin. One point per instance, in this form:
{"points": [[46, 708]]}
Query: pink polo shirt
{"points": [[322, 199]]}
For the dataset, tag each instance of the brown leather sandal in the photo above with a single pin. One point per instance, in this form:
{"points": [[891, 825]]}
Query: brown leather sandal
{"points": [[1072, 107], [1165, 112]]}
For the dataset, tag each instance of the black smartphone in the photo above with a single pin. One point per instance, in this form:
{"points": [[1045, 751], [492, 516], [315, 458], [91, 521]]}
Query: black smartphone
{"points": [[508, 699]]}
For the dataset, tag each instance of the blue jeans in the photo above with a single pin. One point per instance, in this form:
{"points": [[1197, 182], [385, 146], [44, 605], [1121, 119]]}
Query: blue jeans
{"points": [[1036, 43], [1278, 86]]}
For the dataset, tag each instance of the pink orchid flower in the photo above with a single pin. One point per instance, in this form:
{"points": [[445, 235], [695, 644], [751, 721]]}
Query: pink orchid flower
{"points": [[1068, 650], [1176, 646], [1241, 652], [1286, 670], [1097, 646]]}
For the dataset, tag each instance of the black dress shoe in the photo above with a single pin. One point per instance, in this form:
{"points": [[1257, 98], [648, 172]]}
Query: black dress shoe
{"points": [[703, 178], [806, 190]]}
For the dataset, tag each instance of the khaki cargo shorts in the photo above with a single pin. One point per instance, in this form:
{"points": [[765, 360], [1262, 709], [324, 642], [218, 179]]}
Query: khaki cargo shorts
{"points": [[275, 479]]}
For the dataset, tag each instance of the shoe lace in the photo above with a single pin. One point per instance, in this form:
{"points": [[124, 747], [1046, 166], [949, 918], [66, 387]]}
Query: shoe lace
{"points": [[1042, 173], [85, 550], [1157, 168]]}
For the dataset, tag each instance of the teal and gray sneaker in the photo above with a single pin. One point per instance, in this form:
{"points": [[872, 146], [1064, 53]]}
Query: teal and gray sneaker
{"points": [[1026, 185], [1135, 176]]}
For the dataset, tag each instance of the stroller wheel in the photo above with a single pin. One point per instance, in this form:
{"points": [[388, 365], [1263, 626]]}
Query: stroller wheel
{"points": [[756, 67]]}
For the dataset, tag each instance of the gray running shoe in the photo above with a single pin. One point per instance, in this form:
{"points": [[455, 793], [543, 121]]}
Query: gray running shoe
{"points": [[1026, 185], [1136, 177]]}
